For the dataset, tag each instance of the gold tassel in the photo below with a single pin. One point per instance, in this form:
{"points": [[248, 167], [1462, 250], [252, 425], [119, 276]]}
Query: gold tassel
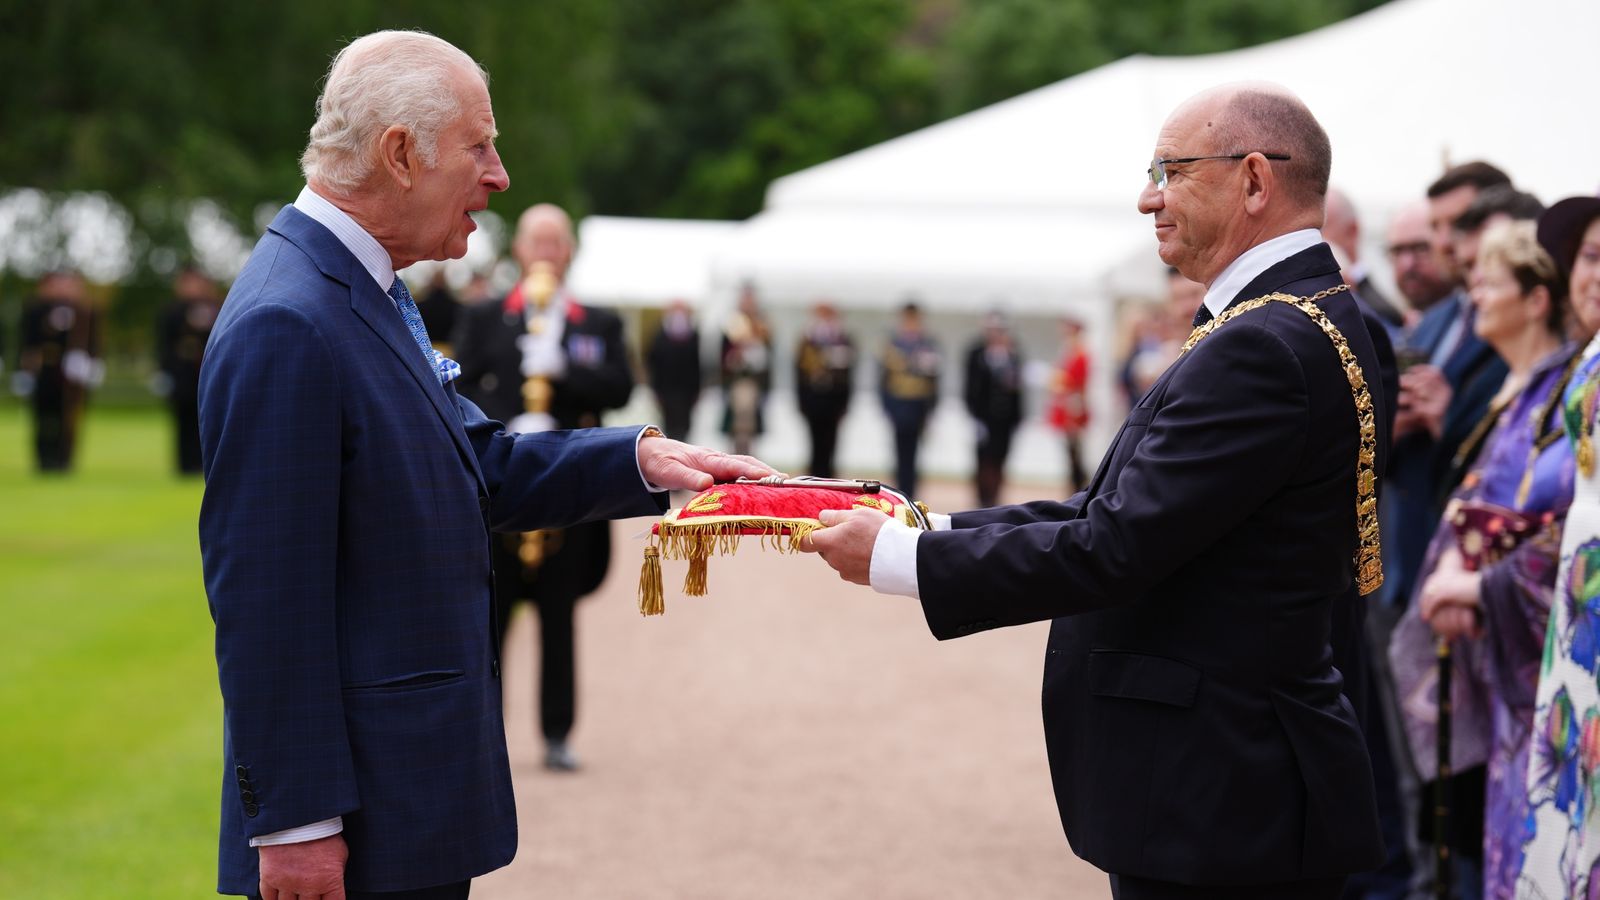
{"points": [[694, 584], [651, 602]]}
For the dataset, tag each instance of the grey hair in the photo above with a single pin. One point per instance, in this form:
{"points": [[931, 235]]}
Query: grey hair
{"points": [[377, 81], [1273, 122]]}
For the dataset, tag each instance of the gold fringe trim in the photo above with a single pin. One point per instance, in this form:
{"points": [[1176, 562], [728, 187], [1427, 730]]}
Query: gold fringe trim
{"points": [[651, 601], [690, 542], [699, 542], [1368, 559], [694, 584]]}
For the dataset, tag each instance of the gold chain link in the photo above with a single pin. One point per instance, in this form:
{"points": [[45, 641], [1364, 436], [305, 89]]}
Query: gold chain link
{"points": [[1368, 559]]}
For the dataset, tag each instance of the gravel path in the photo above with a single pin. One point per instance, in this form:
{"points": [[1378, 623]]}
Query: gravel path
{"points": [[787, 736]]}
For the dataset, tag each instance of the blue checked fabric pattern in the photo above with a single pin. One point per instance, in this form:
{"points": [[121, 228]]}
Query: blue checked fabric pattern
{"points": [[447, 369]]}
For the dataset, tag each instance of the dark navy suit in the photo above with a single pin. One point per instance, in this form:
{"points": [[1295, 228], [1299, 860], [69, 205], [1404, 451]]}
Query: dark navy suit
{"points": [[1193, 712], [345, 536]]}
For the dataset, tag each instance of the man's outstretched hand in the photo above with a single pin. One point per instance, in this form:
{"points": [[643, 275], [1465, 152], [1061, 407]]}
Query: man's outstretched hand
{"points": [[685, 467], [846, 540]]}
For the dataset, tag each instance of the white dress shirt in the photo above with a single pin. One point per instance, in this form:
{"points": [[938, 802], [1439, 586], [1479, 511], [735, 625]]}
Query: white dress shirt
{"points": [[894, 555]]}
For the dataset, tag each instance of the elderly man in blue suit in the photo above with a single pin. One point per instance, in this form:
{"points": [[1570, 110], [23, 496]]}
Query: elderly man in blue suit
{"points": [[349, 497], [1205, 588]]}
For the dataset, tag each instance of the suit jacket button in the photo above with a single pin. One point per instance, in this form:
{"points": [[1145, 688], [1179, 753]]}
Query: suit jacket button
{"points": [[248, 797], [250, 809], [244, 784], [483, 505], [240, 771]]}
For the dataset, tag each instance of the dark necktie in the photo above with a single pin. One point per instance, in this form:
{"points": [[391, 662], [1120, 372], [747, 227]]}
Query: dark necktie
{"points": [[1202, 315]]}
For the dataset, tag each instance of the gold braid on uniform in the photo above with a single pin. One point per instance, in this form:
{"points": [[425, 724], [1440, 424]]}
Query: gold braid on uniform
{"points": [[1368, 561]]}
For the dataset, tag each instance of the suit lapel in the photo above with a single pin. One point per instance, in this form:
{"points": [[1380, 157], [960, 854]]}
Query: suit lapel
{"points": [[373, 307], [378, 311]]}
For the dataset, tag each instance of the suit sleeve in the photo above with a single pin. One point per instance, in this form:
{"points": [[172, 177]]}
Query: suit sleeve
{"points": [[1229, 434], [556, 479], [1022, 513], [271, 426]]}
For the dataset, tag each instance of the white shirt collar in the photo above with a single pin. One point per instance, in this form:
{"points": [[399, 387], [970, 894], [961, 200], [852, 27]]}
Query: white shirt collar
{"points": [[1251, 263], [364, 246]]}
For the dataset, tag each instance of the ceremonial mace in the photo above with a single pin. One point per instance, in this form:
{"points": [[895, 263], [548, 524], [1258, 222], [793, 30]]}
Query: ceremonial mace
{"points": [[1442, 872], [538, 286]]}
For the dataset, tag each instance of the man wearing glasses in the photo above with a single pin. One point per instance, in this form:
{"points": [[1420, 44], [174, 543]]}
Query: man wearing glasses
{"points": [[1204, 588]]}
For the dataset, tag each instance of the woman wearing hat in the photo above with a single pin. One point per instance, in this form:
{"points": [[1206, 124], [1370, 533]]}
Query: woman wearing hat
{"points": [[1561, 852]]}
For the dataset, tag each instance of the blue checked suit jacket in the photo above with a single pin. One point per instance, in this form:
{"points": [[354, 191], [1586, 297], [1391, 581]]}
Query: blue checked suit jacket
{"points": [[345, 538]]}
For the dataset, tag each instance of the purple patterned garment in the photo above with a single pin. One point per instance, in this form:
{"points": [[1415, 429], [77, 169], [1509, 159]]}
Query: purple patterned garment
{"points": [[1495, 678]]}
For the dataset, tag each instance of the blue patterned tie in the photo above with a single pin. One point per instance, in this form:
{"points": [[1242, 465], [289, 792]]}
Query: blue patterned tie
{"points": [[408, 310]]}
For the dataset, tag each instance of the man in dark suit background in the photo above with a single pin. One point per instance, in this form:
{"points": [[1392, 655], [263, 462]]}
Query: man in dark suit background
{"points": [[349, 496], [181, 335], [505, 349], [1205, 587], [675, 371]]}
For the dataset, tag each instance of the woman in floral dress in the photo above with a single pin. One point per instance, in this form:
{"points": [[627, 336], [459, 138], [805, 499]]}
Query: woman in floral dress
{"points": [[1561, 852]]}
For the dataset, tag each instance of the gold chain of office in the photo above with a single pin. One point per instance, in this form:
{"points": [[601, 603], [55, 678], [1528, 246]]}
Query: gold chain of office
{"points": [[1368, 560]]}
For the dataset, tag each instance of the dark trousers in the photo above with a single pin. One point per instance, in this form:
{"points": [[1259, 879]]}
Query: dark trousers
{"points": [[54, 428], [440, 892], [907, 438], [824, 442], [993, 448], [186, 418], [676, 411], [558, 664], [1077, 474], [1124, 887]]}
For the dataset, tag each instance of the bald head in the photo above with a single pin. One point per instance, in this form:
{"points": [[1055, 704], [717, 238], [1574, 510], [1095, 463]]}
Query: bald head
{"points": [[1340, 226], [544, 234], [1416, 267], [1264, 117], [1246, 163]]}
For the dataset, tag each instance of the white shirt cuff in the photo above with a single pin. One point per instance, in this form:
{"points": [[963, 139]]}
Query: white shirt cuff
{"points": [[300, 835], [939, 521], [894, 559], [652, 488]]}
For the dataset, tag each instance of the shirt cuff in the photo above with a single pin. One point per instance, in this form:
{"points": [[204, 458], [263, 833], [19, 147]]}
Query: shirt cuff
{"points": [[652, 488], [894, 559], [940, 521], [302, 834]]}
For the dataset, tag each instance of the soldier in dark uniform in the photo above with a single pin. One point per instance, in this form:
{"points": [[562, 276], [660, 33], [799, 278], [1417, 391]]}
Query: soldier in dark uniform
{"points": [[673, 361], [536, 361], [910, 391], [994, 398], [823, 365], [58, 364], [181, 335]]}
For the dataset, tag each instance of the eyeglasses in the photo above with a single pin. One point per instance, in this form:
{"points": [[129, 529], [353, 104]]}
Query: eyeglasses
{"points": [[1158, 167], [1415, 248]]}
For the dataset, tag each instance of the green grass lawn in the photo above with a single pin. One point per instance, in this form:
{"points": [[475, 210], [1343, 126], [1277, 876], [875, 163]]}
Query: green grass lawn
{"points": [[110, 720]]}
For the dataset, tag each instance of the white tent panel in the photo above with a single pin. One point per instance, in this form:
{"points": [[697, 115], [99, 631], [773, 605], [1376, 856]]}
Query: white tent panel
{"points": [[959, 260], [645, 262]]}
